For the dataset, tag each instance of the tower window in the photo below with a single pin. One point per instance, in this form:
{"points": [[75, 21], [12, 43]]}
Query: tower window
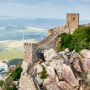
{"points": [[73, 18]]}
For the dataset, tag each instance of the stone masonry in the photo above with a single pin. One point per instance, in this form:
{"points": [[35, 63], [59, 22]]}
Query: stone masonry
{"points": [[30, 49], [72, 22]]}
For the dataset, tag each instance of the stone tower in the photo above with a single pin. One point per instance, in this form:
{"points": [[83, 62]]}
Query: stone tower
{"points": [[72, 21], [29, 53]]}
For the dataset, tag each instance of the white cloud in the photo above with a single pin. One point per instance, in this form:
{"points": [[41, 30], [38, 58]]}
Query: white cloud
{"points": [[12, 25], [34, 29], [8, 18], [2, 27]]}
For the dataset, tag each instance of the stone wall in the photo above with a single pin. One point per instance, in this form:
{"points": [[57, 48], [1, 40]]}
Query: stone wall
{"points": [[27, 82], [58, 30], [45, 40], [84, 25], [72, 22]]}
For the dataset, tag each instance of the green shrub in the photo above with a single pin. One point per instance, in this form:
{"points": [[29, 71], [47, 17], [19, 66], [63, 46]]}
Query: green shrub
{"points": [[85, 39], [62, 34], [1, 82], [16, 73], [80, 34], [80, 39], [43, 74], [65, 39]]}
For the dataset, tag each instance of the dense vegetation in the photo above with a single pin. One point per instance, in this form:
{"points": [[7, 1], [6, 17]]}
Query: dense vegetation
{"points": [[1, 82], [15, 75], [78, 40]]}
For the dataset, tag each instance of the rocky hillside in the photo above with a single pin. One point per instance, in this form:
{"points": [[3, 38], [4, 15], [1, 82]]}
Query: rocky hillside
{"points": [[67, 69], [64, 70]]}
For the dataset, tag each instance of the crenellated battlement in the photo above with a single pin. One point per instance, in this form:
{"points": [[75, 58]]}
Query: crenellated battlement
{"points": [[84, 25], [60, 27], [72, 21], [72, 13], [32, 51], [29, 44]]}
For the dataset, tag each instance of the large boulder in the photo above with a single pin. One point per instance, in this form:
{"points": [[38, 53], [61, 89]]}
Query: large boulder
{"points": [[85, 64], [81, 88], [63, 55], [15, 83], [74, 54], [51, 54], [0, 88], [65, 86], [54, 87], [39, 68], [50, 72], [78, 75], [69, 76], [47, 82], [57, 65], [38, 79], [51, 78], [71, 59], [88, 75], [85, 53], [76, 65], [67, 50]]}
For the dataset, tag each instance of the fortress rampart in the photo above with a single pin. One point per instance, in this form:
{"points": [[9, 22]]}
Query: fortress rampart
{"points": [[84, 25], [30, 49], [27, 82], [72, 22]]}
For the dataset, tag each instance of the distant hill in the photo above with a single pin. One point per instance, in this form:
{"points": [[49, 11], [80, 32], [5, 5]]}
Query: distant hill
{"points": [[11, 28]]}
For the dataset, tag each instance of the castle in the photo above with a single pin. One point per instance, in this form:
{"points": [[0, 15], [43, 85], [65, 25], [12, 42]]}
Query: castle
{"points": [[31, 50]]}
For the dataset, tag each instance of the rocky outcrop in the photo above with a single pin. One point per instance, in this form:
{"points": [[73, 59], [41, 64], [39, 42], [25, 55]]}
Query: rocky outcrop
{"points": [[86, 64], [26, 82], [65, 86], [69, 76], [85, 53], [63, 70], [54, 86], [76, 65]]}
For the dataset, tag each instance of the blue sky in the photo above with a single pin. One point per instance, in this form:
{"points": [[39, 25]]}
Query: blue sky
{"points": [[45, 8]]}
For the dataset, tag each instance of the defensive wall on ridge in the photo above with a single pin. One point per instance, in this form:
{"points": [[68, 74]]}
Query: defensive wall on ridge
{"points": [[72, 22], [27, 81]]}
